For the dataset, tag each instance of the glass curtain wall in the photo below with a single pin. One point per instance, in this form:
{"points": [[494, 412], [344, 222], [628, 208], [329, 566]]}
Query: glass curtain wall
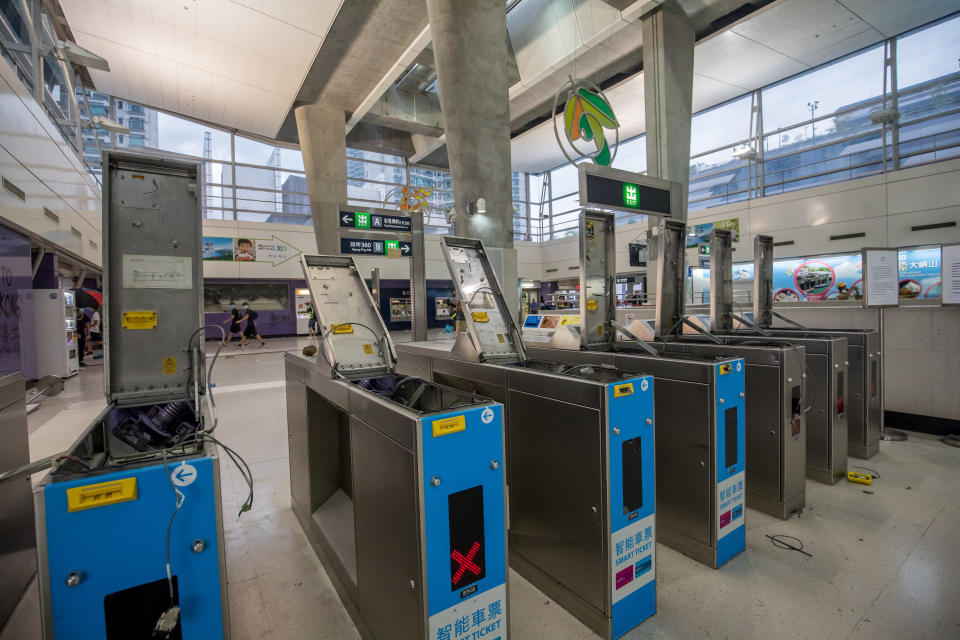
{"points": [[819, 127]]}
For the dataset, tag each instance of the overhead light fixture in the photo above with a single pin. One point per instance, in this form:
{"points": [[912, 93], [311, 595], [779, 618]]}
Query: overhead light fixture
{"points": [[78, 55], [473, 208], [747, 153], [102, 122]]}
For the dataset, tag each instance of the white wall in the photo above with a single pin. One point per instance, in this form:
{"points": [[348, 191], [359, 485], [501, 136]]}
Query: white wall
{"points": [[34, 157], [303, 239]]}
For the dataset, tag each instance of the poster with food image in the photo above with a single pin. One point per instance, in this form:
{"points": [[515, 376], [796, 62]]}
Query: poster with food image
{"points": [[919, 273]]}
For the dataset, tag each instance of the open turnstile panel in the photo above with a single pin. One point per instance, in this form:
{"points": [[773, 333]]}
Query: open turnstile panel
{"points": [[103, 511], [775, 419], [580, 454], [398, 482], [825, 368], [864, 364]]}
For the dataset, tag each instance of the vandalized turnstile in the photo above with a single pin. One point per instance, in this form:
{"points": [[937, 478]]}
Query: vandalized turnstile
{"points": [[825, 404], [398, 482], [699, 402], [580, 455], [129, 521], [775, 421], [864, 366]]}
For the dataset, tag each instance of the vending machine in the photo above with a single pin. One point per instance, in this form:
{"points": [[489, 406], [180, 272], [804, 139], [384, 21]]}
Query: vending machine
{"points": [[48, 329], [303, 302]]}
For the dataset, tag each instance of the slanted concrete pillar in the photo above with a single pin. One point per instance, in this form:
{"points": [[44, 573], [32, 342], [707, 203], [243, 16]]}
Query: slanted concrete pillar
{"points": [[323, 143], [668, 39], [470, 49]]}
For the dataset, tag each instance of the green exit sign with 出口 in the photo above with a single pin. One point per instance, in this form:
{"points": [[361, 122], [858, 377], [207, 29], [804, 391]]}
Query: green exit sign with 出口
{"points": [[631, 196]]}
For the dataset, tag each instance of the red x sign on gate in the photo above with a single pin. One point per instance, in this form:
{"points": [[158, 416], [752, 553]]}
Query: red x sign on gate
{"points": [[466, 562]]}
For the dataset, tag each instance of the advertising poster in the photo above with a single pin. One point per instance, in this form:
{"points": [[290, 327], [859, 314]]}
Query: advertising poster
{"points": [[272, 250], [919, 273], [700, 233], [824, 278], [840, 277], [217, 248]]}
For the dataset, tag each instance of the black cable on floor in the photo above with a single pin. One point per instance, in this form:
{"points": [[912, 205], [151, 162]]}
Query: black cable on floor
{"points": [[780, 541], [872, 471]]}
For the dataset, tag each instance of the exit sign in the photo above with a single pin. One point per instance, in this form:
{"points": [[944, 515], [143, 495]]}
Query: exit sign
{"points": [[614, 189]]}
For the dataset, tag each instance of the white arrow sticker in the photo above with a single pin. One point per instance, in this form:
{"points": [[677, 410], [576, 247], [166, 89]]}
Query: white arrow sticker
{"points": [[183, 474], [487, 415]]}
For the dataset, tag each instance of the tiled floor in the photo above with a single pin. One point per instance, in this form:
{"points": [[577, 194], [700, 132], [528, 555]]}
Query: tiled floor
{"points": [[884, 565]]}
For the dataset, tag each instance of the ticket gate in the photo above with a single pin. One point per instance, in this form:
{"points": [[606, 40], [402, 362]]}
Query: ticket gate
{"points": [[864, 403], [397, 482], [142, 483], [825, 370], [773, 375], [580, 455], [864, 385]]}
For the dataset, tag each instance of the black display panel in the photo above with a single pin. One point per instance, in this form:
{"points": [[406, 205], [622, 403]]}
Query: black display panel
{"points": [[730, 436], [840, 398], [873, 378], [638, 254], [632, 475], [620, 194], [467, 545]]}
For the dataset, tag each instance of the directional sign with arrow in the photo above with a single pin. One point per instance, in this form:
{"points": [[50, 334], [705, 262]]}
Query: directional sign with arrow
{"points": [[374, 221], [368, 247], [183, 474]]}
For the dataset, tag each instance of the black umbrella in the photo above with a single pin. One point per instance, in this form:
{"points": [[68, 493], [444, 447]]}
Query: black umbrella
{"points": [[85, 298]]}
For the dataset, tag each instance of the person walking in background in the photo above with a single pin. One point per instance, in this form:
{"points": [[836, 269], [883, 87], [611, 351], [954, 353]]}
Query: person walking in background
{"points": [[312, 322], [83, 330], [234, 321], [96, 333], [251, 330]]}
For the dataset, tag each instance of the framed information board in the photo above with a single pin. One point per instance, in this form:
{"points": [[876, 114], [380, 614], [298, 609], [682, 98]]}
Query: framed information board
{"points": [[950, 273], [881, 286]]}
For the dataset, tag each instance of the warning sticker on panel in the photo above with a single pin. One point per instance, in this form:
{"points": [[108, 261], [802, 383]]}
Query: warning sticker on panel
{"points": [[342, 328], [138, 320], [569, 320], [169, 365], [368, 349], [480, 316], [591, 305], [621, 390], [157, 272], [443, 426]]}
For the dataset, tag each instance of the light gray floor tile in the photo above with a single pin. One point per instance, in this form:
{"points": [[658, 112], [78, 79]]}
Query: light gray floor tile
{"points": [[884, 565]]}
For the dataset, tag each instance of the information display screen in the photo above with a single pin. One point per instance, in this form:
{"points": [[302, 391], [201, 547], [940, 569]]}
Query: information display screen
{"points": [[467, 544], [632, 475], [730, 436]]}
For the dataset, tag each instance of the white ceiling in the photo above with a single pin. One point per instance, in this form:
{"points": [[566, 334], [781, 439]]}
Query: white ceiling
{"points": [[237, 63], [783, 39]]}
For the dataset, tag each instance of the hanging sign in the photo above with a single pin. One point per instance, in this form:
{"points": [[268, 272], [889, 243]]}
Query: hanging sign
{"points": [[586, 114]]}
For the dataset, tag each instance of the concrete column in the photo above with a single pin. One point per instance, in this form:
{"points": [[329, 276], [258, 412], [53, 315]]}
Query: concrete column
{"points": [[323, 143], [470, 49], [668, 39]]}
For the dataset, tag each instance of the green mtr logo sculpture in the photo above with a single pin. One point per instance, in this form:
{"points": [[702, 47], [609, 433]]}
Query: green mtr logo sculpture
{"points": [[586, 115]]}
